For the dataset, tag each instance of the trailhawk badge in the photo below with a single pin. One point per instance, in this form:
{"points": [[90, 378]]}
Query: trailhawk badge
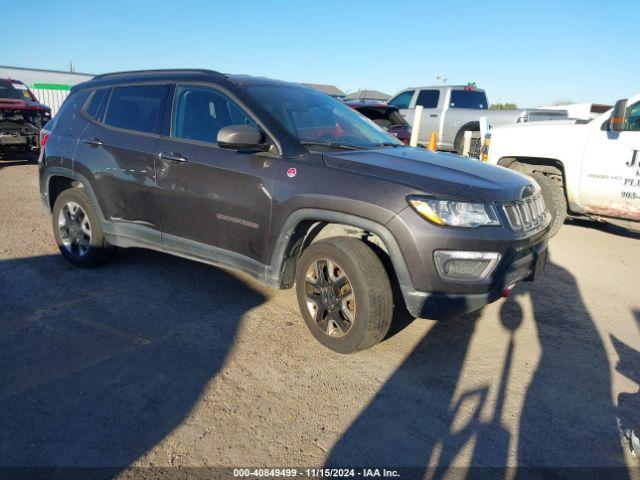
{"points": [[291, 172]]}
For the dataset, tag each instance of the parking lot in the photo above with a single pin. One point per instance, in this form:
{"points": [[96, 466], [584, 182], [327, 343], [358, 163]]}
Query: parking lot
{"points": [[157, 361]]}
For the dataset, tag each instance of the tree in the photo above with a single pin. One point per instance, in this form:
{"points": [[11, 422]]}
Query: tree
{"points": [[503, 106]]}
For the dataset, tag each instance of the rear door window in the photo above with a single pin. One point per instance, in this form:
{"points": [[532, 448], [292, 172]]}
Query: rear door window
{"points": [[428, 98], [200, 112], [468, 99], [135, 107], [402, 100]]}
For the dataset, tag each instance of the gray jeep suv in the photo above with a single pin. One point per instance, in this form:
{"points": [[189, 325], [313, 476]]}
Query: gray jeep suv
{"points": [[292, 187]]}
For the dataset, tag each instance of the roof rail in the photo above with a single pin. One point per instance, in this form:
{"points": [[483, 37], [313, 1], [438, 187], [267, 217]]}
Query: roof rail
{"points": [[154, 72]]}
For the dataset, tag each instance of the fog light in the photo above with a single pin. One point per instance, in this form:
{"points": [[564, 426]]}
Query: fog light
{"points": [[459, 265]]}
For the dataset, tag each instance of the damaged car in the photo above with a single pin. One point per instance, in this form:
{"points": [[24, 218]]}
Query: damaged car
{"points": [[21, 117]]}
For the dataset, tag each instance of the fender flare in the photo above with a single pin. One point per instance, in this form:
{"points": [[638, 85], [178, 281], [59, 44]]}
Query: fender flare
{"points": [[65, 172], [315, 214]]}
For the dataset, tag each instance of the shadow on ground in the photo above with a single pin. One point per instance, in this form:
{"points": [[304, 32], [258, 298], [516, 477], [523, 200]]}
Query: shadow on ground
{"points": [[568, 418], [98, 366], [15, 159], [604, 227]]}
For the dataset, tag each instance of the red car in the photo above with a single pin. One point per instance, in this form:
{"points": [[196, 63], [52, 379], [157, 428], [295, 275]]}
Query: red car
{"points": [[385, 116], [21, 117]]}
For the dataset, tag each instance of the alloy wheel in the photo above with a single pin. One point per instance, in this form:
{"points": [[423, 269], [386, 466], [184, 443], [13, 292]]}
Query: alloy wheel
{"points": [[75, 229], [330, 297]]}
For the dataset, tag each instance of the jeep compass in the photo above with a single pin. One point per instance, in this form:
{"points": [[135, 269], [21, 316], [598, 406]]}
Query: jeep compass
{"points": [[291, 186]]}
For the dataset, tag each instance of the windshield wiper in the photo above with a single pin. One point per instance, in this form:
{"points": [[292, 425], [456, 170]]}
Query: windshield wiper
{"points": [[390, 144], [346, 146]]}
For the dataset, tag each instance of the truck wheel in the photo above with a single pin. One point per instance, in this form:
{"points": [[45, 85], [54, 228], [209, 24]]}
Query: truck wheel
{"points": [[554, 199], [77, 229], [458, 143], [344, 294]]}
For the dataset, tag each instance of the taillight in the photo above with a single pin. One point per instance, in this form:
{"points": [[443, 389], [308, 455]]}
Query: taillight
{"points": [[44, 137]]}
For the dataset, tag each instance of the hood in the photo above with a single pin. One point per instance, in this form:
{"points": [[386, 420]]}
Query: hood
{"points": [[442, 174], [12, 104]]}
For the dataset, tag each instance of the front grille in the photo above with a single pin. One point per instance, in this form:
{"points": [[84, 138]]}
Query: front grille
{"points": [[526, 214]]}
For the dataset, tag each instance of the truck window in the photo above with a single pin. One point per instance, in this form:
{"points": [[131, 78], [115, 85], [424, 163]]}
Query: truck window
{"points": [[633, 118], [402, 100], [468, 99], [135, 107], [428, 98]]}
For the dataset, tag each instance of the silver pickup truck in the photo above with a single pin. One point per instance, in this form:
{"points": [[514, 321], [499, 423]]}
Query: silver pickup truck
{"points": [[452, 110]]}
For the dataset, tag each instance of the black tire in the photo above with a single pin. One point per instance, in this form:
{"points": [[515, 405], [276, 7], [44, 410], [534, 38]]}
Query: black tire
{"points": [[458, 143], [554, 199], [369, 285], [98, 250]]}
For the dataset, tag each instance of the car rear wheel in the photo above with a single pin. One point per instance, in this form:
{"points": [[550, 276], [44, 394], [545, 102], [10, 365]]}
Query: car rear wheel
{"points": [[344, 294], [554, 199], [77, 229]]}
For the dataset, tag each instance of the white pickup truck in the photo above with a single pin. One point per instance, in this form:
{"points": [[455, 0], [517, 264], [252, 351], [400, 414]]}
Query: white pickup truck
{"points": [[452, 110], [588, 169]]}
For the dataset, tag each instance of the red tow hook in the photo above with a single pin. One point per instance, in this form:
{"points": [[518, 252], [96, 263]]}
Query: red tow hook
{"points": [[507, 291]]}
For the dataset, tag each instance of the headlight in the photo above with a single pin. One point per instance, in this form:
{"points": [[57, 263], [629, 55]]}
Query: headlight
{"points": [[453, 213]]}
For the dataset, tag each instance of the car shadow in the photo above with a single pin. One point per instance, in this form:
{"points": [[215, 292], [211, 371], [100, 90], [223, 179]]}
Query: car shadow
{"points": [[628, 365], [604, 227], [568, 417], [98, 366], [12, 159]]}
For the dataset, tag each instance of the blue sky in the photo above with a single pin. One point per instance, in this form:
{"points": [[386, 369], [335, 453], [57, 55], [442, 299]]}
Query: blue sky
{"points": [[528, 52]]}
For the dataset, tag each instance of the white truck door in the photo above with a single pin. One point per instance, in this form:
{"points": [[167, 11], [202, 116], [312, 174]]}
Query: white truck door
{"points": [[430, 100], [610, 178]]}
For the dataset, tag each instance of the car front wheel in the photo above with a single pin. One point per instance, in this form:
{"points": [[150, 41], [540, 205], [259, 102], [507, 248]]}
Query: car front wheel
{"points": [[344, 294]]}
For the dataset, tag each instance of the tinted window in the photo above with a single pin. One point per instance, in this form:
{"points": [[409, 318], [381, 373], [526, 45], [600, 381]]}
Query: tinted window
{"points": [[383, 117], [68, 120], [428, 98], [403, 100], [15, 91], [468, 99], [633, 118], [200, 112], [135, 108], [98, 103]]}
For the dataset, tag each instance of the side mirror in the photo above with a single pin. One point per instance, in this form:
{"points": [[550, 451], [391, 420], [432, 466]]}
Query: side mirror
{"points": [[618, 116], [241, 137]]}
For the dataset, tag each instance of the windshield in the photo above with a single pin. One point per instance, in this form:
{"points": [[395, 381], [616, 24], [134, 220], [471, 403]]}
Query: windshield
{"points": [[315, 118], [14, 91]]}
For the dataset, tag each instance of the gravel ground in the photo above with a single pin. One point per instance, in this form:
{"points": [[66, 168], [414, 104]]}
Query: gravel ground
{"points": [[153, 360]]}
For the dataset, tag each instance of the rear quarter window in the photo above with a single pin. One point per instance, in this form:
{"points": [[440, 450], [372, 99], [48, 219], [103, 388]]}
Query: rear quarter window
{"points": [[68, 120], [98, 103], [135, 107]]}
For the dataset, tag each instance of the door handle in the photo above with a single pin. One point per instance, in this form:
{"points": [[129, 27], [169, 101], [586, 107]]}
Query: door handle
{"points": [[172, 156], [94, 142], [433, 115]]}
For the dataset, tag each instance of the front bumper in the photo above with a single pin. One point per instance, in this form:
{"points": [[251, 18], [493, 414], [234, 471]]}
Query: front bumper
{"points": [[528, 266], [426, 294]]}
